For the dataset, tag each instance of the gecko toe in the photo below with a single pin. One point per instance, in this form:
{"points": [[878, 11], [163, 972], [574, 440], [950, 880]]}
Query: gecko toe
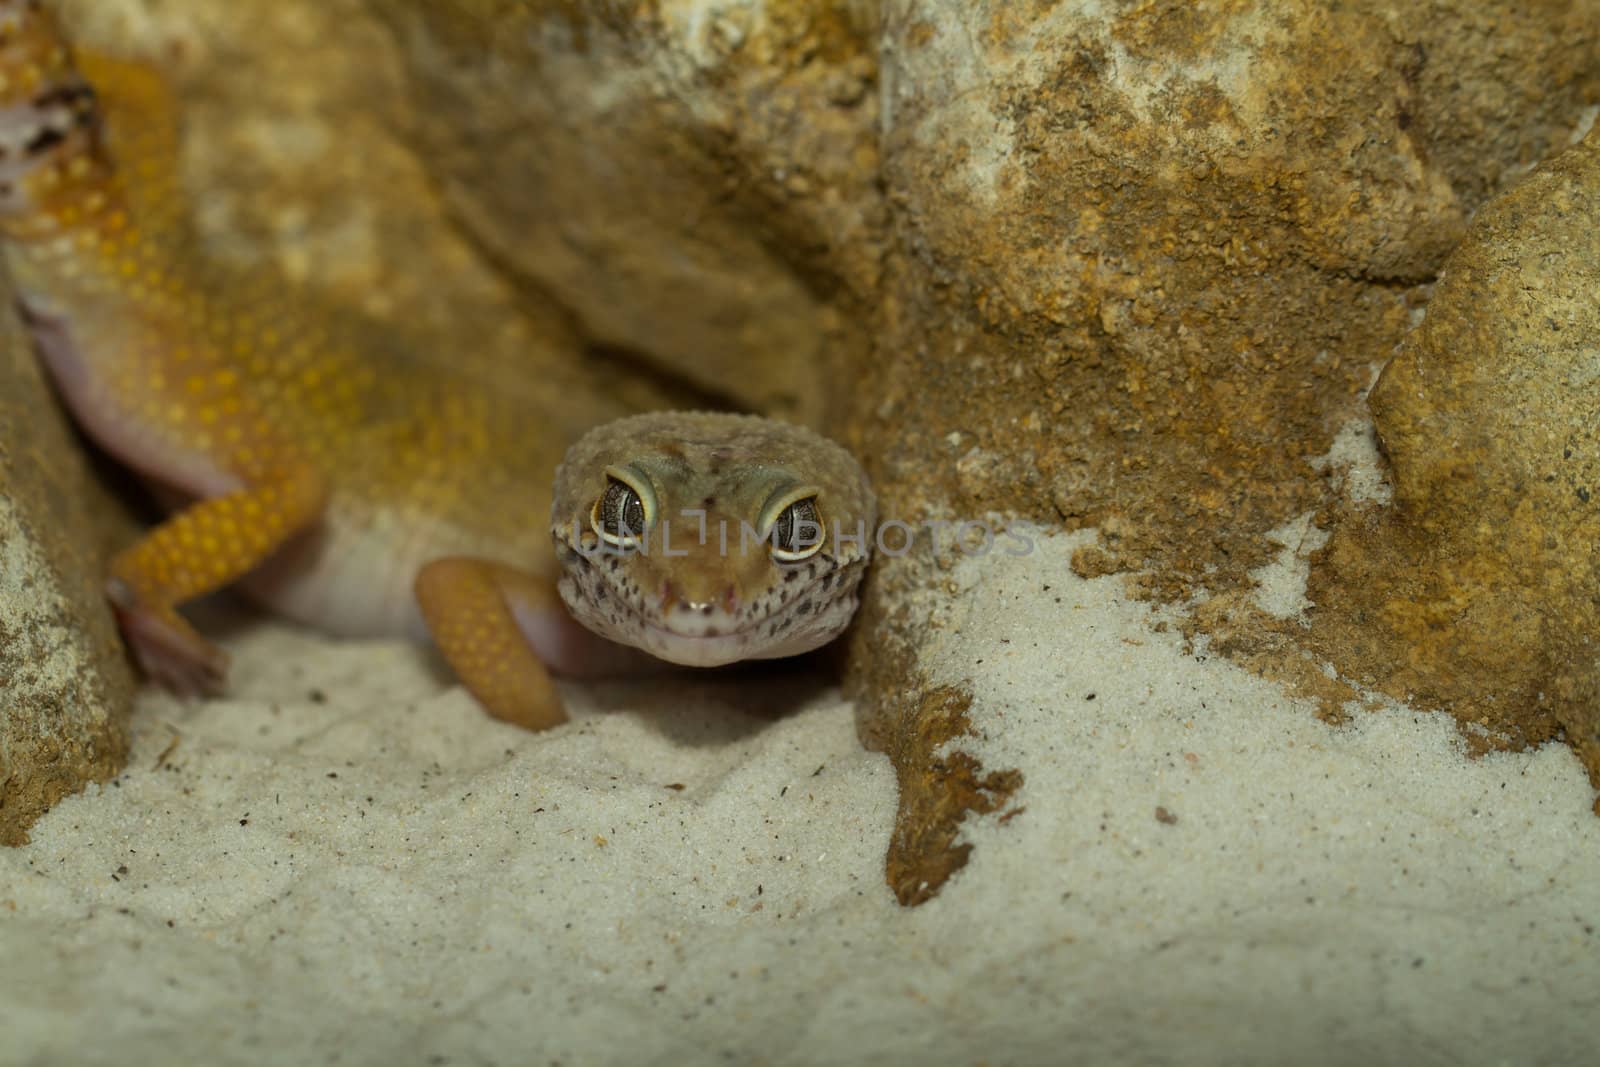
{"points": [[171, 654]]}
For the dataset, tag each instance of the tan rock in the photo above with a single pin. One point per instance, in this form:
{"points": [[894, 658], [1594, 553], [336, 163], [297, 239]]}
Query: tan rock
{"points": [[65, 685], [1149, 262], [1145, 260], [1477, 591], [694, 180]]}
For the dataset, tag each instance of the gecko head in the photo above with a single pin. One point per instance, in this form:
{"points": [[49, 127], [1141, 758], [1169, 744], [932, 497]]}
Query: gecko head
{"points": [[50, 139], [708, 538]]}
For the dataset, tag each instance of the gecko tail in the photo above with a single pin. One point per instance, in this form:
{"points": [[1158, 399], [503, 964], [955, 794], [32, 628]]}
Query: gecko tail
{"points": [[49, 115]]}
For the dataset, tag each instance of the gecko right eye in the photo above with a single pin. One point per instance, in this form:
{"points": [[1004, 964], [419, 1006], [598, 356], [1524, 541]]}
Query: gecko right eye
{"points": [[792, 523], [622, 514]]}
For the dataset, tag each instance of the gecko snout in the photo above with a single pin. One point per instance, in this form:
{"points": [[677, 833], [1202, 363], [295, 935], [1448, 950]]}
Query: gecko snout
{"points": [[683, 600]]}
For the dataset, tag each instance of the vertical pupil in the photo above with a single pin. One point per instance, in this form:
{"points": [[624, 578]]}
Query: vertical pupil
{"points": [[622, 514], [797, 528]]}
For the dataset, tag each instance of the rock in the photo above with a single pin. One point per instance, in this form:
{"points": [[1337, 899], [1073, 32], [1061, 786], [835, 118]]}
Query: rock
{"points": [[1149, 262], [1145, 260], [939, 789], [694, 180], [65, 685], [1478, 590]]}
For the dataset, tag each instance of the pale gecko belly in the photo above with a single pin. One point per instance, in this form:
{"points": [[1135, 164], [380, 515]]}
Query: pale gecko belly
{"points": [[109, 420], [353, 575]]}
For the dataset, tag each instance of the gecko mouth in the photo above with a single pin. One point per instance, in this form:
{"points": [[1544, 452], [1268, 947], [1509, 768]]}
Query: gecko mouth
{"points": [[787, 628], [773, 637], [714, 649], [704, 642]]}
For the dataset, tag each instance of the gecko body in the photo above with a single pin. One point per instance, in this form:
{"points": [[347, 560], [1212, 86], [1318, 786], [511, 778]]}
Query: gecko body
{"points": [[354, 486]]}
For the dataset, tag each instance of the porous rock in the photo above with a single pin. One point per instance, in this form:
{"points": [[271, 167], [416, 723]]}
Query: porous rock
{"points": [[65, 685], [1478, 590], [1145, 259], [694, 180]]}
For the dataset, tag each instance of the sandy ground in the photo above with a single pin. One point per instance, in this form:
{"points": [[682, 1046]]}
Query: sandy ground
{"points": [[347, 863]]}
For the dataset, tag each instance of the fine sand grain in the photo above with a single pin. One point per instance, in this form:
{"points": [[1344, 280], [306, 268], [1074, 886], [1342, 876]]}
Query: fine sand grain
{"points": [[346, 862]]}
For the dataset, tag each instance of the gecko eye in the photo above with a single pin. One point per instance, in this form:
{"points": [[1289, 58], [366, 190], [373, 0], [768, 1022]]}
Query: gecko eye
{"points": [[622, 514], [796, 533]]}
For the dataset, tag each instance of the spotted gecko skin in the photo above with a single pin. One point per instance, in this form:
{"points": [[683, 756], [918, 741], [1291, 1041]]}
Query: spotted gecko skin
{"points": [[340, 480], [718, 495]]}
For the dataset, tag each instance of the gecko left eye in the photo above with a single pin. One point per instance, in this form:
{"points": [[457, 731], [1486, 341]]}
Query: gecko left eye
{"points": [[796, 533], [622, 514]]}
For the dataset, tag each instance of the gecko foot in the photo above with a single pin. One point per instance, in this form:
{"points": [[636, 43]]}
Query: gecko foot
{"points": [[168, 650]]}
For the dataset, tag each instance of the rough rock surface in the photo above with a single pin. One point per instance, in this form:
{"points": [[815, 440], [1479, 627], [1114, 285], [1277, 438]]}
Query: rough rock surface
{"points": [[1148, 262], [1146, 258], [65, 686], [695, 181], [1477, 591]]}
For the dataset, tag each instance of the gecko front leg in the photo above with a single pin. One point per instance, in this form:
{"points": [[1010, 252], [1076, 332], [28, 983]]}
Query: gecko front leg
{"points": [[505, 631], [199, 550], [471, 608]]}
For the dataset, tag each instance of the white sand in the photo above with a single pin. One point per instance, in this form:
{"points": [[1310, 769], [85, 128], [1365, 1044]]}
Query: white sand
{"points": [[387, 876]]}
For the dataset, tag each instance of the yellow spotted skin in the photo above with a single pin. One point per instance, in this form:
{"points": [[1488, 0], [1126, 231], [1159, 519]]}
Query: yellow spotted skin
{"points": [[474, 629], [306, 454]]}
